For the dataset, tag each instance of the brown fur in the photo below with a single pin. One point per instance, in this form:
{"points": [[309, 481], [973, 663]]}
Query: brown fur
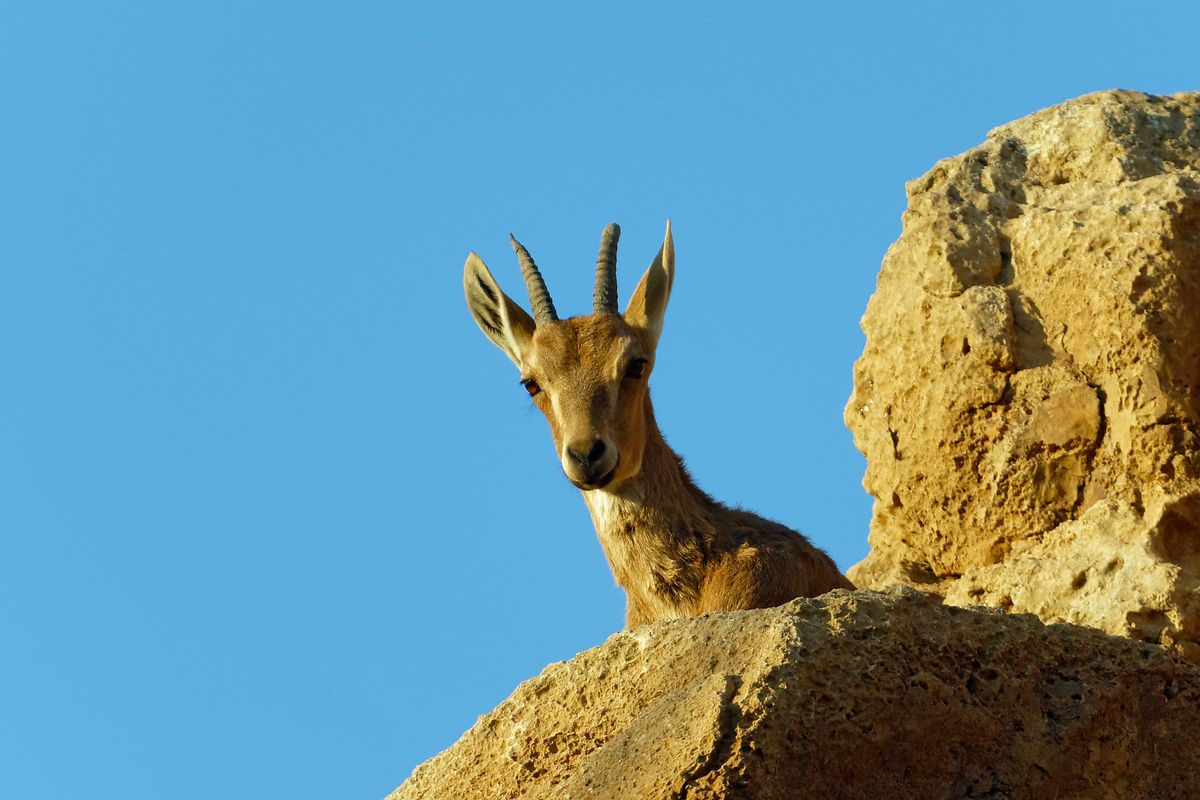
{"points": [[674, 550], [677, 552]]}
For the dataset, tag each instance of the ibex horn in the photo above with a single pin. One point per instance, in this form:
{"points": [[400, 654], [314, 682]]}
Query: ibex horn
{"points": [[605, 296], [539, 296]]}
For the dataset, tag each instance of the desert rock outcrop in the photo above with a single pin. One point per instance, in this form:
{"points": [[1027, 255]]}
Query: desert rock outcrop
{"points": [[1029, 405], [1029, 396], [850, 695]]}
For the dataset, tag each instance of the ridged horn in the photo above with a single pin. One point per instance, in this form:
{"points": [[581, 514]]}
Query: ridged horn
{"points": [[605, 296], [539, 295]]}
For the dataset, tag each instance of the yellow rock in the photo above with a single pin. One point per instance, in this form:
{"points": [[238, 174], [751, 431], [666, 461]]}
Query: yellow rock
{"points": [[849, 695], [1031, 378]]}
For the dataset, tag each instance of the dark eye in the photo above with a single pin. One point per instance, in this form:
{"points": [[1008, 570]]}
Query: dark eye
{"points": [[636, 369], [531, 386]]}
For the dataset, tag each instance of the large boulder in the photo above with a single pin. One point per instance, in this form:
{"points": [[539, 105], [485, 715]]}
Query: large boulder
{"points": [[850, 695], [1029, 396]]}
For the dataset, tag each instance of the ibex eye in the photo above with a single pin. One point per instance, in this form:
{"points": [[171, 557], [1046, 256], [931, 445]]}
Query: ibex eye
{"points": [[531, 386], [636, 368]]}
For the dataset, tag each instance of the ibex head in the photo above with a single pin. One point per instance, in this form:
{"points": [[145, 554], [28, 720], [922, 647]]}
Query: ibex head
{"points": [[586, 374]]}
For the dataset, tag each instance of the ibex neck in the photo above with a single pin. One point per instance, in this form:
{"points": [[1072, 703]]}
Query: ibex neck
{"points": [[656, 528], [662, 491]]}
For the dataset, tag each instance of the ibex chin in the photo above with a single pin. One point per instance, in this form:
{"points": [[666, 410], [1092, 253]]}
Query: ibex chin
{"points": [[674, 550]]}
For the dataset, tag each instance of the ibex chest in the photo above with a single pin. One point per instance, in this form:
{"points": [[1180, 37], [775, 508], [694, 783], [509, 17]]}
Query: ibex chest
{"points": [[657, 561]]}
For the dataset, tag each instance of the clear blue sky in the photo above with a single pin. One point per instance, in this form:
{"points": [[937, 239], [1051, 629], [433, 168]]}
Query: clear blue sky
{"points": [[277, 520]]}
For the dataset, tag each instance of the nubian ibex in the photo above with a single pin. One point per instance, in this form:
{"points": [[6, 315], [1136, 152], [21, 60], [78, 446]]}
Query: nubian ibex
{"points": [[674, 550]]}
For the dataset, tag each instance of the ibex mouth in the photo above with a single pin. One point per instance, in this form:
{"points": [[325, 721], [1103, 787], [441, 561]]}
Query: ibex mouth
{"points": [[600, 482]]}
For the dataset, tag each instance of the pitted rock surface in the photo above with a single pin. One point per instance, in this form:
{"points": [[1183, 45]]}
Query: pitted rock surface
{"points": [[1029, 396], [850, 695]]}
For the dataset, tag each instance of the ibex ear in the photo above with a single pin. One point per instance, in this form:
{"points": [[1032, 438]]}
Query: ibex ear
{"points": [[502, 320], [648, 305]]}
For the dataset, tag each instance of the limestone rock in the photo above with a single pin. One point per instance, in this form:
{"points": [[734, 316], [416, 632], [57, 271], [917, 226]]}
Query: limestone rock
{"points": [[1030, 386], [1109, 569], [850, 695]]}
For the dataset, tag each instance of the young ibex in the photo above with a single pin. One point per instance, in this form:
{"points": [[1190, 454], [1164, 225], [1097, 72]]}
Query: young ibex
{"points": [[674, 550]]}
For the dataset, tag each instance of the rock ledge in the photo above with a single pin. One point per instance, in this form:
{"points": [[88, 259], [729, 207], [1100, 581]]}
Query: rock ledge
{"points": [[850, 695]]}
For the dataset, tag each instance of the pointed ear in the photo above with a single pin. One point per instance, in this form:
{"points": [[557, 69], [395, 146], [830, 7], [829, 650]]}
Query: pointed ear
{"points": [[501, 320], [648, 305]]}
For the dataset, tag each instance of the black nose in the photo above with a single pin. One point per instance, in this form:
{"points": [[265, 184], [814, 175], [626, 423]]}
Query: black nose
{"points": [[593, 455]]}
